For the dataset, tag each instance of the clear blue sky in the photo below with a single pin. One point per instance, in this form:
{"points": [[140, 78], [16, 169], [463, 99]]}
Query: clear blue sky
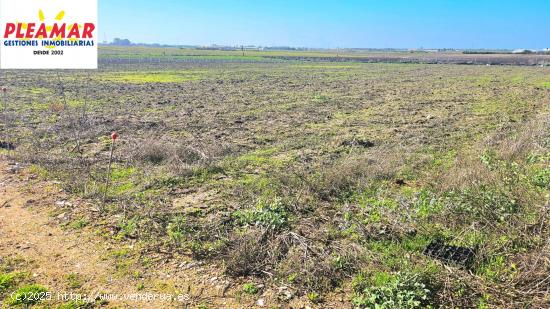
{"points": [[336, 23]]}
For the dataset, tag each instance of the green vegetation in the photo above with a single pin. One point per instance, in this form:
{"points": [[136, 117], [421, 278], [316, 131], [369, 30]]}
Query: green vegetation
{"points": [[250, 288], [398, 291], [314, 297], [267, 214], [152, 77], [75, 305], [74, 281], [6, 282], [79, 224], [310, 175], [28, 295], [178, 229]]}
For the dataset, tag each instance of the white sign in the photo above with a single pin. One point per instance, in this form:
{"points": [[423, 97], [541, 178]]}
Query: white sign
{"points": [[48, 34]]}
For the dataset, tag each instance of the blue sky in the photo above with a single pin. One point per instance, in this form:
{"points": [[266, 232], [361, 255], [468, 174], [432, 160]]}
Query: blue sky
{"points": [[329, 24]]}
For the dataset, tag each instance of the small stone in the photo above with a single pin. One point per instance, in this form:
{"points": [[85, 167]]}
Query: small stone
{"points": [[261, 302]]}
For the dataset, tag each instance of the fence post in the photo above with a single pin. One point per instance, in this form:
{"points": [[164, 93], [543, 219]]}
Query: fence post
{"points": [[114, 136], [5, 112]]}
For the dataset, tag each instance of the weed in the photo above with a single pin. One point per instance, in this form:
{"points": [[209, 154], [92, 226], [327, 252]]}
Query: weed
{"points": [[7, 281], [250, 288], [75, 305], [396, 291], [272, 214], [28, 295], [541, 178], [74, 281], [128, 228], [79, 224], [491, 203], [179, 229], [314, 297], [427, 204], [497, 269]]}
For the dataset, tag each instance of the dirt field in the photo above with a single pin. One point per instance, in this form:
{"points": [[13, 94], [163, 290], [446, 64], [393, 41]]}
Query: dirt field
{"points": [[281, 182]]}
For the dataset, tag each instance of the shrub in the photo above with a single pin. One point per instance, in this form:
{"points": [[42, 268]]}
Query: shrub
{"points": [[247, 255], [267, 214], [488, 202], [154, 152], [400, 291]]}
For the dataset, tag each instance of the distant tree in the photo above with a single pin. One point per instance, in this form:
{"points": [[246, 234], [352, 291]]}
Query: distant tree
{"points": [[121, 42]]}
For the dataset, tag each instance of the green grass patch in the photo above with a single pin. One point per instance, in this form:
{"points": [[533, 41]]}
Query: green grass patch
{"points": [[79, 224], [152, 77], [250, 288], [7, 281], [28, 295], [128, 228], [179, 229], [122, 180], [76, 305], [74, 281], [271, 214]]}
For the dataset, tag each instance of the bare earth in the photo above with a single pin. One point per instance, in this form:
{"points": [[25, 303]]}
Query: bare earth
{"points": [[27, 232]]}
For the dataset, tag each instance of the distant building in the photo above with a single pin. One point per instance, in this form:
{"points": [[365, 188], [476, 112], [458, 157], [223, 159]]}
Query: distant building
{"points": [[252, 47], [522, 51]]}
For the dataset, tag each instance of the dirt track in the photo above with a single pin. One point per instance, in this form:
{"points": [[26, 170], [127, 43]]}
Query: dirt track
{"points": [[29, 233]]}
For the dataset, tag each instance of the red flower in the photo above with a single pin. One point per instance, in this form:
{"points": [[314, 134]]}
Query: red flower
{"points": [[114, 136]]}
